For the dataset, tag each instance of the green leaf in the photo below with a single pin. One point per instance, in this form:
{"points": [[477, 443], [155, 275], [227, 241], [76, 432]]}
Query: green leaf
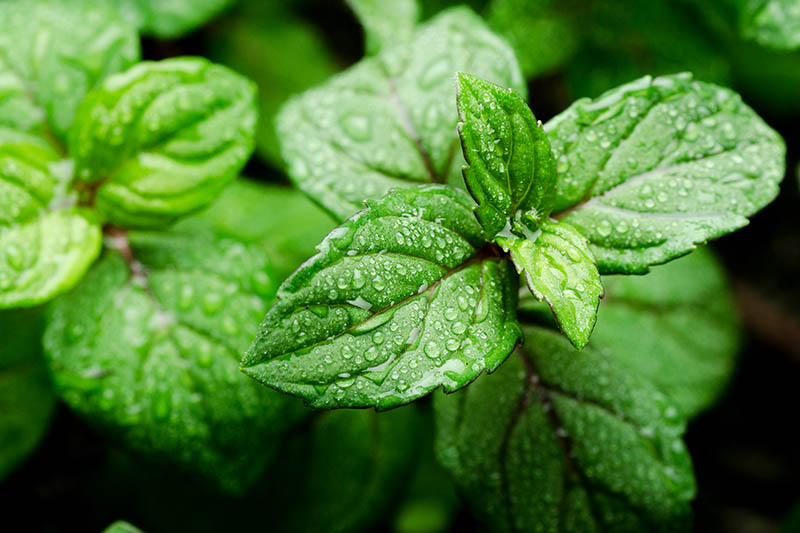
{"points": [[651, 169], [46, 245], [511, 172], [542, 33], [120, 526], [163, 139], [771, 23], [268, 215], [402, 298], [386, 24], [390, 121], [677, 326], [146, 348], [51, 54], [283, 54], [558, 440], [26, 395], [169, 19], [560, 269]]}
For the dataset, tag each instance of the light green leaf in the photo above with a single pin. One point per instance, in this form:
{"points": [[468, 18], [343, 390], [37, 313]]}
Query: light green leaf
{"points": [[51, 54], [45, 244], [771, 23], [511, 172], [390, 121], [542, 33], [386, 23], [147, 346], [268, 215], [283, 54], [402, 298], [120, 526], [169, 18], [560, 269], [559, 440], [163, 139], [26, 395], [677, 326], [651, 169]]}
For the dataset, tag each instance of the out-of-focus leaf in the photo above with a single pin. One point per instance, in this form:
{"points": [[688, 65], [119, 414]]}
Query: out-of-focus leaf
{"points": [[163, 139], [147, 349], [559, 440], [121, 526], [280, 219], [169, 18], [282, 54], [771, 23], [386, 23], [53, 52], [26, 395], [390, 120]]}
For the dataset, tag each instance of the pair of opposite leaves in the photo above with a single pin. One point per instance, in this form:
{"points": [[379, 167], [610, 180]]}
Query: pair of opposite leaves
{"points": [[411, 294]]}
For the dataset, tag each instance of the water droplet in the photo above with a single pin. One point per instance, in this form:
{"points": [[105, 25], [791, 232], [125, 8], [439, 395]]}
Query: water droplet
{"points": [[432, 349]]}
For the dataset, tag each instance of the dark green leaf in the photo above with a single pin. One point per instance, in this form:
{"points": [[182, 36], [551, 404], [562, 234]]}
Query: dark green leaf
{"points": [[511, 171], [541, 32], [651, 169], [560, 269], [283, 54], [51, 54], [676, 326], [402, 298], [147, 346], [163, 139], [46, 245], [390, 121], [386, 23], [169, 18], [558, 440], [26, 396]]}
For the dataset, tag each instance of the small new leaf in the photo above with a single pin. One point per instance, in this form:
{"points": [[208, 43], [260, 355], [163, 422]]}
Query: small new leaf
{"points": [[560, 269], [147, 347], [163, 139], [389, 121], [511, 170], [402, 298], [45, 244], [651, 169], [558, 440]]}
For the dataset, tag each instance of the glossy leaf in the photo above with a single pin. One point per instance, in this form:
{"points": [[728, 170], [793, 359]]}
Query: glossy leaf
{"points": [[558, 440], [390, 121], [386, 23], [771, 23], [45, 244], [163, 139], [51, 54], [147, 346], [26, 395], [169, 18], [401, 299], [560, 269], [651, 169], [268, 215], [676, 326], [511, 171]]}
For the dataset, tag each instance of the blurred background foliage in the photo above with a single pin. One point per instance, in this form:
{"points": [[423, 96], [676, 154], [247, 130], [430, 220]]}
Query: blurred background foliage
{"points": [[377, 471]]}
